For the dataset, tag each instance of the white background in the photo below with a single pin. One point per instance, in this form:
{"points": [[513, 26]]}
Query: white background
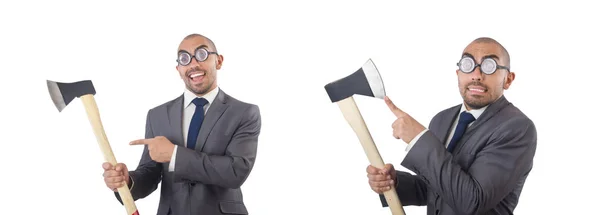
{"points": [[279, 56]]}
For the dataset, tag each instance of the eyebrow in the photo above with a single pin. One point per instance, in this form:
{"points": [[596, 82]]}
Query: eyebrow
{"points": [[466, 54], [201, 46], [492, 56]]}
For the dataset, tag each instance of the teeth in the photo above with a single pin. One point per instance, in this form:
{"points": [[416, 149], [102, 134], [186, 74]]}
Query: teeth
{"points": [[196, 75], [479, 90]]}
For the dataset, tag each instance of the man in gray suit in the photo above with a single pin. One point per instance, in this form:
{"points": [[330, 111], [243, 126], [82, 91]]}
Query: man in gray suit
{"points": [[201, 145], [474, 157]]}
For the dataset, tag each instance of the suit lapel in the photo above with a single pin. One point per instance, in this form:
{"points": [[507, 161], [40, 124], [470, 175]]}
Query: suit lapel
{"points": [[175, 120], [446, 125], [487, 114], [215, 111]]}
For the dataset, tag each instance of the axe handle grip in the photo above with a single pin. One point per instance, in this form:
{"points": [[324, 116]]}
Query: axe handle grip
{"points": [[352, 115], [94, 117]]}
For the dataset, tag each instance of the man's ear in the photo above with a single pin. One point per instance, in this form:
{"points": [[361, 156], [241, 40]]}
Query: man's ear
{"points": [[509, 79], [219, 61]]}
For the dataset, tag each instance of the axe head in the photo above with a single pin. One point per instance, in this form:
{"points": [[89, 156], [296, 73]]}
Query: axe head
{"points": [[63, 93], [365, 81]]}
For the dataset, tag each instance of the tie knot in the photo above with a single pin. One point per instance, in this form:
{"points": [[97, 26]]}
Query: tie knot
{"points": [[200, 102], [466, 117]]}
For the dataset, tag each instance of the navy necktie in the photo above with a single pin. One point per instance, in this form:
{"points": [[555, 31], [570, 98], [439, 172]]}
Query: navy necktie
{"points": [[463, 122], [196, 122]]}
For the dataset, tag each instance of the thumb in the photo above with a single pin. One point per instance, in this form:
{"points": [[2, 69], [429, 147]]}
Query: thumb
{"points": [[395, 110]]}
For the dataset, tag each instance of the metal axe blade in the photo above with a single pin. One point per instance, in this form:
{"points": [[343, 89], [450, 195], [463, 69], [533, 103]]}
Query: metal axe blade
{"points": [[63, 93], [365, 81]]}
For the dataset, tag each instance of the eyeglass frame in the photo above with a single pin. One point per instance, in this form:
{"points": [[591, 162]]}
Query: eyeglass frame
{"points": [[491, 57], [208, 53]]}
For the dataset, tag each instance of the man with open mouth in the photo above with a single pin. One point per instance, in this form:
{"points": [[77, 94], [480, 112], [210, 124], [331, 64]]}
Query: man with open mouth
{"points": [[201, 145], [474, 157]]}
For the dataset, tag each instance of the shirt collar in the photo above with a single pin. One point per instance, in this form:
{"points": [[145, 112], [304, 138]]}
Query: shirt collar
{"points": [[475, 112], [188, 96], [478, 112]]}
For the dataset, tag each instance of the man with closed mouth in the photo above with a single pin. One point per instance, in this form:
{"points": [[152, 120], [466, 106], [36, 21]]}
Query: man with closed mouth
{"points": [[474, 157]]}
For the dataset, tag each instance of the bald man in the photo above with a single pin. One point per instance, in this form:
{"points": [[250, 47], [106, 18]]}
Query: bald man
{"points": [[474, 157], [200, 145]]}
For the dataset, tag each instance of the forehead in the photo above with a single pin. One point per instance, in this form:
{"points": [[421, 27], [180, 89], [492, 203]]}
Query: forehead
{"points": [[191, 44], [482, 49]]}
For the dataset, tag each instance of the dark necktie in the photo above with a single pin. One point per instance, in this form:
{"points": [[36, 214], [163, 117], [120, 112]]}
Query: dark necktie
{"points": [[463, 122], [196, 122]]}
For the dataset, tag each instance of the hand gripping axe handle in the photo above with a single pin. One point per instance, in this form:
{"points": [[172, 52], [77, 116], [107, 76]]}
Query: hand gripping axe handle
{"points": [[365, 81], [62, 94]]}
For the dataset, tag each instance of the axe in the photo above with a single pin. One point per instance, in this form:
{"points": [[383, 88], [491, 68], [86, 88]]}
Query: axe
{"points": [[62, 94], [365, 81]]}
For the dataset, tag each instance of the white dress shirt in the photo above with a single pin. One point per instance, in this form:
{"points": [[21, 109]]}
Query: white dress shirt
{"points": [[188, 113], [476, 113]]}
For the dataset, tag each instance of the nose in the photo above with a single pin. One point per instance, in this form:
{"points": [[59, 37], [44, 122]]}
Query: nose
{"points": [[194, 62], [476, 75]]}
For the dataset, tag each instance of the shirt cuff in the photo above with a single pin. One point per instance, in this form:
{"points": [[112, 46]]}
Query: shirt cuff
{"points": [[132, 183], [414, 140], [172, 162]]}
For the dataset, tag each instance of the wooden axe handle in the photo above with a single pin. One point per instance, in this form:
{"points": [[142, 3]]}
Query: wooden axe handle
{"points": [[352, 114], [94, 116]]}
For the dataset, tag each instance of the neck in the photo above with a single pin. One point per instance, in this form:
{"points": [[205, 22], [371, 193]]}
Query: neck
{"points": [[467, 106]]}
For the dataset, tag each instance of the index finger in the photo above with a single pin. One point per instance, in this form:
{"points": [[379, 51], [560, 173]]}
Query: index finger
{"points": [[107, 166], [139, 142], [393, 107]]}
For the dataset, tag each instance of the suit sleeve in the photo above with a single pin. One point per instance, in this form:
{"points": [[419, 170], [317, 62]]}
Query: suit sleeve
{"points": [[229, 170], [146, 177], [494, 173], [411, 190]]}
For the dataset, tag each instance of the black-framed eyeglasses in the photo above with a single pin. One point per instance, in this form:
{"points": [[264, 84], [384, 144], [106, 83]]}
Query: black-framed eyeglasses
{"points": [[184, 58], [488, 65]]}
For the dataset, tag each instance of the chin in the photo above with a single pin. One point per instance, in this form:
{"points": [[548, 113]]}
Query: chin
{"points": [[477, 103], [195, 89]]}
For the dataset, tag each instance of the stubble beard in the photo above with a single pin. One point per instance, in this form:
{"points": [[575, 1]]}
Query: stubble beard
{"points": [[199, 89], [477, 101]]}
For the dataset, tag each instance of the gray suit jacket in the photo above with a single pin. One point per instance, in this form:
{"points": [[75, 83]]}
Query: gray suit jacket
{"points": [[486, 172], [206, 180]]}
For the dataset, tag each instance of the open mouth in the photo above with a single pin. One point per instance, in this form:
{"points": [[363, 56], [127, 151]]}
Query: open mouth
{"points": [[195, 77]]}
